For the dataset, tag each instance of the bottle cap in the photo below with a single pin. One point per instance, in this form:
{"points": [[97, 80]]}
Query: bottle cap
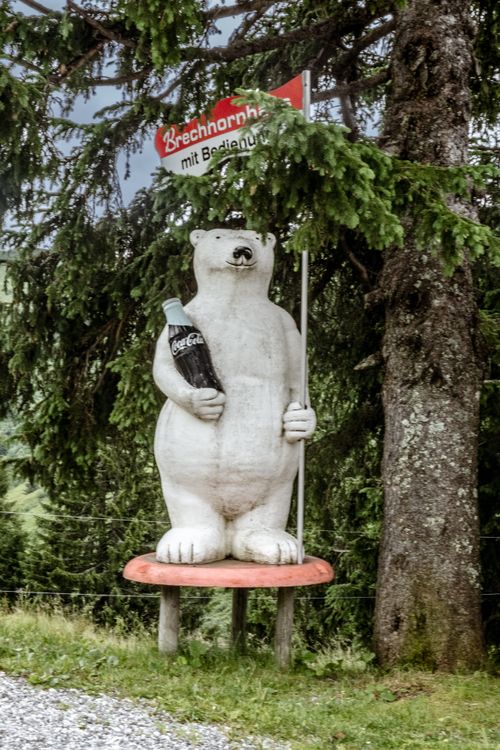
{"points": [[174, 312], [169, 303]]}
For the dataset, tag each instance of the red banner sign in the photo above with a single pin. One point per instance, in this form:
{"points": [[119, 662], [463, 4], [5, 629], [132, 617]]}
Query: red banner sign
{"points": [[188, 149]]}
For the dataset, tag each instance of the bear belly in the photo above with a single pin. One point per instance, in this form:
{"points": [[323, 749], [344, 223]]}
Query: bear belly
{"points": [[236, 463], [253, 458]]}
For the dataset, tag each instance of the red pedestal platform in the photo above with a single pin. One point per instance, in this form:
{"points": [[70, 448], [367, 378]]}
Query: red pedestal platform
{"points": [[234, 574], [228, 573]]}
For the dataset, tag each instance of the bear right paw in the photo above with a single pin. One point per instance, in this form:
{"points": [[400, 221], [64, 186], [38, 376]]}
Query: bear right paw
{"points": [[190, 545], [207, 403], [271, 546]]}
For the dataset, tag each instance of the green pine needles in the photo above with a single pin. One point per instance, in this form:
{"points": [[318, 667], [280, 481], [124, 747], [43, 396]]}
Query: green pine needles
{"points": [[311, 182]]}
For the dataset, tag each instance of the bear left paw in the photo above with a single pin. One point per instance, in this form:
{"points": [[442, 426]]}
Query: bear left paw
{"points": [[299, 423], [270, 546]]}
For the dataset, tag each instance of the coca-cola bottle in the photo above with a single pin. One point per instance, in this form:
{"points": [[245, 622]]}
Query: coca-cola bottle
{"points": [[189, 348]]}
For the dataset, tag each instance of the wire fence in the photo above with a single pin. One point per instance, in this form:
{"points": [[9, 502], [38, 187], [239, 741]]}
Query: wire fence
{"points": [[52, 516], [23, 592], [159, 522]]}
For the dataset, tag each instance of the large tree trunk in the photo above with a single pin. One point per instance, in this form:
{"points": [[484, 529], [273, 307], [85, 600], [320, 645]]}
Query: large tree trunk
{"points": [[428, 600]]}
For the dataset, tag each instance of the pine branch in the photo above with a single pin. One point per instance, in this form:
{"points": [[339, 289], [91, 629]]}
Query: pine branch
{"points": [[225, 11], [117, 80], [172, 86], [40, 8], [333, 27], [330, 26], [80, 62], [103, 30], [349, 117], [23, 63], [331, 266], [348, 57], [360, 267], [485, 149], [374, 360], [241, 31], [353, 87]]}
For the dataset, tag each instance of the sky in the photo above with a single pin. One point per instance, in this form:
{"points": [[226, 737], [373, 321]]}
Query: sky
{"points": [[144, 162]]}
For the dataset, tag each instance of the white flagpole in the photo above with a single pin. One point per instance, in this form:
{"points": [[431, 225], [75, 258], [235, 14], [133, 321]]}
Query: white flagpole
{"points": [[306, 109]]}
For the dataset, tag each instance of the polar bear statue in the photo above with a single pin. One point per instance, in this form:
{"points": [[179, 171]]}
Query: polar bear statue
{"points": [[228, 460]]}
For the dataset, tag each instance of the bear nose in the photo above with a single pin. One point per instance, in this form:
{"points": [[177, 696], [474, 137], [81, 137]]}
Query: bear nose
{"points": [[240, 251]]}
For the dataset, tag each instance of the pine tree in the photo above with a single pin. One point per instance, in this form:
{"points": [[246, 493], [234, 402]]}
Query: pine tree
{"points": [[77, 345], [12, 543]]}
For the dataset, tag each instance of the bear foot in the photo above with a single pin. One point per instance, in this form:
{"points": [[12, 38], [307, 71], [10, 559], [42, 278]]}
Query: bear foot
{"points": [[190, 545], [270, 546]]}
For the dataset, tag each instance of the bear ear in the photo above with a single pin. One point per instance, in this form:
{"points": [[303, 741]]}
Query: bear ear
{"points": [[196, 236], [271, 240]]}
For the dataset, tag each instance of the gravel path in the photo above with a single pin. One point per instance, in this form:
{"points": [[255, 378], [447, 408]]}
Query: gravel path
{"points": [[68, 719]]}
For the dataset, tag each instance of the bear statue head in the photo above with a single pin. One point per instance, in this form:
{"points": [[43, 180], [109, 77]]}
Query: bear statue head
{"points": [[233, 257]]}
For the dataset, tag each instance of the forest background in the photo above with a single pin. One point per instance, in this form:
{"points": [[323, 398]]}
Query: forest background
{"points": [[386, 188]]}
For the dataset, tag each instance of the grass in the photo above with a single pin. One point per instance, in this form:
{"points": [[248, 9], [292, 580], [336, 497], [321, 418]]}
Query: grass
{"points": [[333, 702]]}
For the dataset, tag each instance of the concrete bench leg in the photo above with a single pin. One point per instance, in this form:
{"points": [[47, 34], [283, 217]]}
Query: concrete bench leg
{"points": [[284, 627], [239, 623], [168, 625]]}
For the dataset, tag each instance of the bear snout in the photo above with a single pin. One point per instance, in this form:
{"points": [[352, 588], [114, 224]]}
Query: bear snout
{"points": [[242, 251]]}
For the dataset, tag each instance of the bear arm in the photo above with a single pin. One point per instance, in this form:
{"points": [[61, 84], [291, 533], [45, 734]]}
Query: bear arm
{"points": [[168, 378]]}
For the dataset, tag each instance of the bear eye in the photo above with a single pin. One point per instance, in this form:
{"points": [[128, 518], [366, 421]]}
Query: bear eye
{"points": [[217, 236]]}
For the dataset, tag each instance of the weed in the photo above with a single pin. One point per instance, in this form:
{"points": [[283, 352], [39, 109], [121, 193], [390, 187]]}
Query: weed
{"points": [[340, 658]]}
